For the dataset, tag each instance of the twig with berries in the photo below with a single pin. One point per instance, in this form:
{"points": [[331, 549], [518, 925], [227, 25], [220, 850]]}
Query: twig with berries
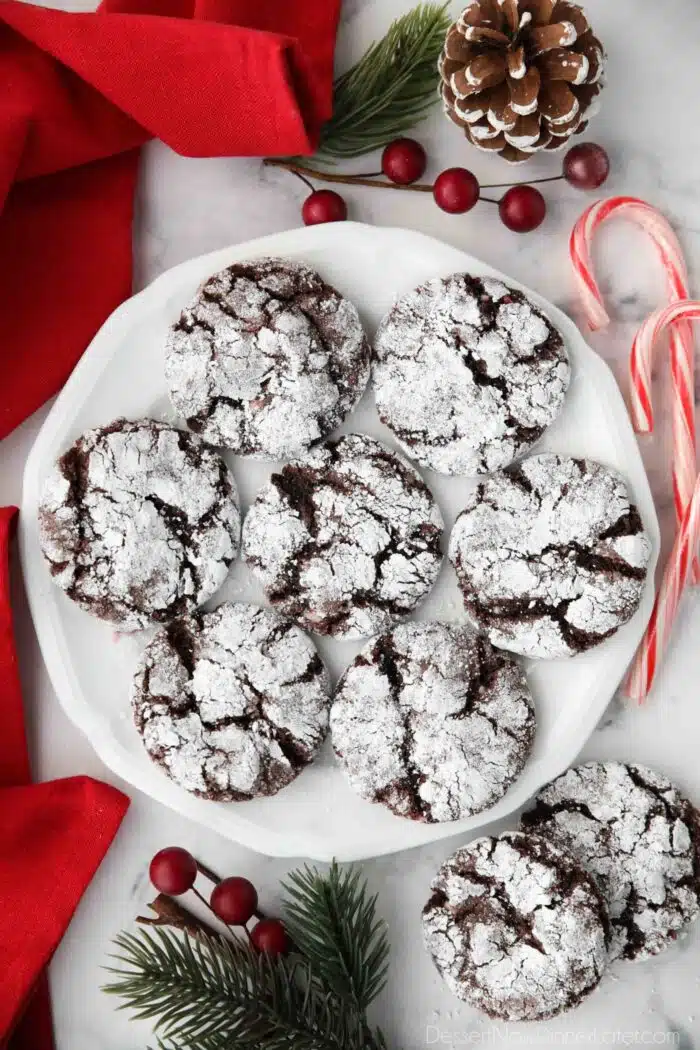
{"points": [[305, 982], [456, 190], [388, 91], [233, 901]]}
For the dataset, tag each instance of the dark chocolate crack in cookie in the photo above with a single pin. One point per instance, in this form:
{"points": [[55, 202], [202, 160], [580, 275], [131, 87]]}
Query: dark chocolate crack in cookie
{"points": [[346, 540], [551, 556], [468, 374], [639, 837], [139, 522], [267, 359], [432, 722], [232, 704], [517, 928]]}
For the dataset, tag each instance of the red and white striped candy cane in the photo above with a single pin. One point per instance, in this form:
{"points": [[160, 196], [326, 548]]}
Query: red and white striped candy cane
{"points": [[685, 549], [682, 343], [640, 677]]}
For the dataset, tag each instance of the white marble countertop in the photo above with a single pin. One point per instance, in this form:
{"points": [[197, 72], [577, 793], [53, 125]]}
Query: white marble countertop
{"points": [[187, 207]]}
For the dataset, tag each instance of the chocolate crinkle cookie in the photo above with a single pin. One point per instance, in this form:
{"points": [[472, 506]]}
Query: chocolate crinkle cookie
{"points": [[346, 540], [517, 928], [432, 722], [267, 359], [468, 374], [139, 522], [551, 556], [640, 839], [232, 704]]}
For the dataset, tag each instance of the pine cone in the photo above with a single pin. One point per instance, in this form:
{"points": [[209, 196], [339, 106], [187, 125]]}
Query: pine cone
{"points": [[521, 75]]}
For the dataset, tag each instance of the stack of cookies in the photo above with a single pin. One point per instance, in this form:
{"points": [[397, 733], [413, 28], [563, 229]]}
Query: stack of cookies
{"points": [[606, 866], [140, 524]]}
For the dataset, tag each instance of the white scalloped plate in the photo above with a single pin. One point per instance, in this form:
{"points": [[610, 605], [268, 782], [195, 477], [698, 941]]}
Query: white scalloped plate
{"points": [[121, 374]]}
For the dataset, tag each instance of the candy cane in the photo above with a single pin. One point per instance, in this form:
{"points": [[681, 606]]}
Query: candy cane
{"points": [[641, 675], [682, 344], [678, 569]]}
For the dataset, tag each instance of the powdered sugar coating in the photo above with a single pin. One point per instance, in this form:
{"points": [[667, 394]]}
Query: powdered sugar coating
{"points": [[516, 928], [267, 359], [468, 374], [551, 556], [346, 540], [433, 722], [233, 704], [139, 522], [639, 838]]}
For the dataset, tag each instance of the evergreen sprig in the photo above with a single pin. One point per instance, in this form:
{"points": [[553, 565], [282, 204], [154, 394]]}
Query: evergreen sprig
{"points": [[390, 88], [214, 993], [333, 922]]}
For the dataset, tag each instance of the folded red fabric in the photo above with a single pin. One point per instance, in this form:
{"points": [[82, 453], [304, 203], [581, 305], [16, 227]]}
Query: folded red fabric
{"points": [[52, 839], [80, 94]]}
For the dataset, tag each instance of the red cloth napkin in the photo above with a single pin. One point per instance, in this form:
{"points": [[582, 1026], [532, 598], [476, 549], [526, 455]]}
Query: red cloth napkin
{"points": [[79, 93], [52, 839]]}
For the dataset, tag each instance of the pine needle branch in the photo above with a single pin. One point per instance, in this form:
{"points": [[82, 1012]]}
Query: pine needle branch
{"points": [[206, 994], [391, 87], [332, 920]]}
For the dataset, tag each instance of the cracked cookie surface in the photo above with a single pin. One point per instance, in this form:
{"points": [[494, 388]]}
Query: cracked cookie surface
{"points": [[516, 928], [267, 359], [432, 722], [139, 522], [639, 838], [232, 704], [468, 374], [346, 540], [551, 556]]}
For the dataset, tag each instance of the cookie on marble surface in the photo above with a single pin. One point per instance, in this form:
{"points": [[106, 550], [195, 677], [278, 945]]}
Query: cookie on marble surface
{"points": [[468, 374], [517, 928], [346, 540], [139, 522], [232, 704], [432, 722], [267, 359], [639, 838], [551, 556]]}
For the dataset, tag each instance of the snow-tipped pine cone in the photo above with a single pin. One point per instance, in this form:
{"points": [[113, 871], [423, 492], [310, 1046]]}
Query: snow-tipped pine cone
{"points": [[521, 76]]}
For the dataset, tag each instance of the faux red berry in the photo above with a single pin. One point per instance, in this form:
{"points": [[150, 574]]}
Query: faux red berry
{"points": [[404, 161], [173, 871], [234, 901], [522, 209], [269, 935], [324, 206], [586, 166], [456, 190]]}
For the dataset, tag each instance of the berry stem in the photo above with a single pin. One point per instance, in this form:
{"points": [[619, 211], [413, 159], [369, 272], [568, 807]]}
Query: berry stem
{"points": [[303, 178], [208, 873], [529, 182], [489, 200], [203, 900], [305, 173]]}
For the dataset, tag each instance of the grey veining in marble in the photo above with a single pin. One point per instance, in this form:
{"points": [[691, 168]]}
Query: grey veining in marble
{"points": [[191, 206]]}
